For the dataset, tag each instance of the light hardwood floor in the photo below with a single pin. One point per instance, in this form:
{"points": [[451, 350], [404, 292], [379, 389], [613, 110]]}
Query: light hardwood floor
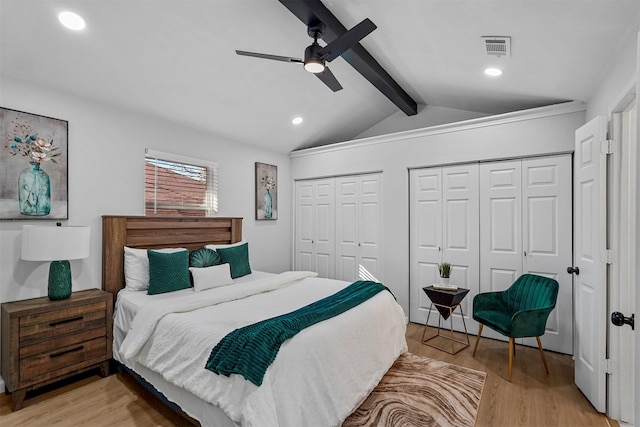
{"points": [[531, 399]]}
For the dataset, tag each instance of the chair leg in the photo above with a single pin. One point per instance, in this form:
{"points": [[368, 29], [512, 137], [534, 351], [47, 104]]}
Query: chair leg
{"points": [[511, 350], [475, 347], [544, 359]]}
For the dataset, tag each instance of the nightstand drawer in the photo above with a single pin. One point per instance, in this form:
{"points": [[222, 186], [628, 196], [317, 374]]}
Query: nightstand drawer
{"points": [[50, 362], [53, 345], [38, 327]]}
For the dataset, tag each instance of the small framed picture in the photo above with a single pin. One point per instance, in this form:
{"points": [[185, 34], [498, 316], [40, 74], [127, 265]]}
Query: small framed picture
{"points": [[33, 158], [266, 191]]}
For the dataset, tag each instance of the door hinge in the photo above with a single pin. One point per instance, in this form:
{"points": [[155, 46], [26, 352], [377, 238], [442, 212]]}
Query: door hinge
{"points": [[607, 366], [609, 146], [607, 256]]}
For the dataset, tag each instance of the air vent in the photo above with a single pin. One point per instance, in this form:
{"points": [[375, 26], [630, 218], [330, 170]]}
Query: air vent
{"points": [[496, 46]]}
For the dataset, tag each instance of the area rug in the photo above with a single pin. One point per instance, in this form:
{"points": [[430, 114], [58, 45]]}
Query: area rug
{"points": [[417, 391]]}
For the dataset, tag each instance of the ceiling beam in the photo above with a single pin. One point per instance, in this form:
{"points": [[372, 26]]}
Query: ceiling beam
{"points": [[311, 11]]}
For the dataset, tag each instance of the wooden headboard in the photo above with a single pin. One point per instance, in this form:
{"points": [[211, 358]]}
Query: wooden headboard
{"points": [[155, 233]]}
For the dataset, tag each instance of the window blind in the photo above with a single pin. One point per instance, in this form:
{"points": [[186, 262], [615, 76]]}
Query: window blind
{"points": [[179, 186]]}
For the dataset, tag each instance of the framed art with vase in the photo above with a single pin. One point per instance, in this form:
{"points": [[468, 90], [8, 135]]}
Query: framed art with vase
{"points": [[34, 165], [266, 191]]}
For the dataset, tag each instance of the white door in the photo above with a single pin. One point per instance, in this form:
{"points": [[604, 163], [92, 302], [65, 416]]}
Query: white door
{"points": [[370, 226], [461, 235], [347, 251], [546, 240], [500, 228], [425, 237], [315, 226], [525, 217], [358, 226], [589, 233], [444, 228]]}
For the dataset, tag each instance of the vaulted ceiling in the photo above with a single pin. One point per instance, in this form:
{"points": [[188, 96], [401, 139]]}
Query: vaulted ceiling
{"points": [[175, 59]]}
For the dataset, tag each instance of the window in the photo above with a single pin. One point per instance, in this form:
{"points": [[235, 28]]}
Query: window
{"points": [[179, 186]]}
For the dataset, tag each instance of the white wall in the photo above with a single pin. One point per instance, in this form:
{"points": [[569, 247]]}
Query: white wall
{"points": [[428, 115], [535, 132], [618, 79], [106, 176]]}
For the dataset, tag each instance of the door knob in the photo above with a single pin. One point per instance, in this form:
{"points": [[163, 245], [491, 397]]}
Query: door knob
{"points": [[572, 270], [618, 319]]}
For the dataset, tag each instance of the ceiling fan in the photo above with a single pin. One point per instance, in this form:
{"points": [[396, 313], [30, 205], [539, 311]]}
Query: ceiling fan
{"points": [[315, 56]]}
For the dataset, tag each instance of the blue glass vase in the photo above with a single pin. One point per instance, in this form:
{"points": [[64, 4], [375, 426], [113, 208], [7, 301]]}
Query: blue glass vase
{"points": [[268, 205], [34, 191]]}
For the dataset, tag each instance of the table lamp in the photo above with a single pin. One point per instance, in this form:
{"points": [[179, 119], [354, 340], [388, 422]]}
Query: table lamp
{"points": [[58, 245]]}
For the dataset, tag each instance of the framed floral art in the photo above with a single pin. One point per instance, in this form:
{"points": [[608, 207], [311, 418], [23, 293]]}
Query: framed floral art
{"points": [[33, 165], [266, 191]]}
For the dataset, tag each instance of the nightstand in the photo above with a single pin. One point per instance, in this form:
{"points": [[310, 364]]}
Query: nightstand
{"points": [[45, 341], [446, 302]]}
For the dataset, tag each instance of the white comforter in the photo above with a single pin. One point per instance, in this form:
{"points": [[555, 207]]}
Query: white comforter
{"points": [[318, 378]]}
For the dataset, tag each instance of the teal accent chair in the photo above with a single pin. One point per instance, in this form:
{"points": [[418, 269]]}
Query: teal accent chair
{"points": [[518, 312]]}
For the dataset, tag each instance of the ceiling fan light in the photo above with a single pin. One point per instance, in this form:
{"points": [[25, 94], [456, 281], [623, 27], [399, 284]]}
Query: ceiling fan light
{"points": [[314, 66]]}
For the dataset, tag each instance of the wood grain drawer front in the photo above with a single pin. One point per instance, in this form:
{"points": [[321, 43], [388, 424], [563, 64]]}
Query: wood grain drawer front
{"points": [[52, 324], [53, 345], [74, 354]]}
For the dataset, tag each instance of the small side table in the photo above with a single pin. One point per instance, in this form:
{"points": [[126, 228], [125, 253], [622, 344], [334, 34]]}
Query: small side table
{"points": [[446, 302]]}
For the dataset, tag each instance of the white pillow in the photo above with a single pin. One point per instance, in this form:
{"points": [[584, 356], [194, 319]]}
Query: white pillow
{"points": [[136, 267], [211, 277], [214, 247]]}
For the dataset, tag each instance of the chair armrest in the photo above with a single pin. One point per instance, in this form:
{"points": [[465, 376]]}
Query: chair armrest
{"points": [[530, 323]]}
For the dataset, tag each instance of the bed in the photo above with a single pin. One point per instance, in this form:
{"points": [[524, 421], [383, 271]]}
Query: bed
{"points": [[318, 377]]}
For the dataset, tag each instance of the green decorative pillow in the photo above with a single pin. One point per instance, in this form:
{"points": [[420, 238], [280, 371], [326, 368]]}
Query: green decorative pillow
{"points": [[203, 257], [238, 259], [168, 272]]}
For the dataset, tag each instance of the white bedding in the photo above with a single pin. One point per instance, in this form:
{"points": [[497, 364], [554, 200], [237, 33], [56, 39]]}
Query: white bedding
{"points": [[318, 378]]}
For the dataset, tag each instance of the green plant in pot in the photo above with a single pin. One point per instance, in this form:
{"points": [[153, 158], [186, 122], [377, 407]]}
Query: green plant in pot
{"points": [[445, 271]]}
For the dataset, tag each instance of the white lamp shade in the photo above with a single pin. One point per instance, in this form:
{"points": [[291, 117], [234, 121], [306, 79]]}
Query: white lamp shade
{"points": [[55, 243]]}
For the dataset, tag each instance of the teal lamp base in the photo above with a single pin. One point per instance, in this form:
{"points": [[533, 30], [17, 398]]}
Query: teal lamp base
{"points": [[59, 280]]}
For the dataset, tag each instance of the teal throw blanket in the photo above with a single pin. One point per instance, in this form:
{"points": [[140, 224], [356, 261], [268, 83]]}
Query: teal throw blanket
{"points": [[250, 350]]}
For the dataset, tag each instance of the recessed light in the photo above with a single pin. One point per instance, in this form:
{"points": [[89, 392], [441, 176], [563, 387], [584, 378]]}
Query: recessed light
{"points": [[493, 72], [71, 20], [297, 120]]}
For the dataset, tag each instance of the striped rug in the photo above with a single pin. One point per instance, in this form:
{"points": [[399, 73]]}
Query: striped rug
{"points": [[417, 391]]}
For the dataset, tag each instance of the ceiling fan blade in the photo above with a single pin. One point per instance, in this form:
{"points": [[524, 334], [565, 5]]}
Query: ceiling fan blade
{"points": [[267, 56], [329, 79], [347, 40]]}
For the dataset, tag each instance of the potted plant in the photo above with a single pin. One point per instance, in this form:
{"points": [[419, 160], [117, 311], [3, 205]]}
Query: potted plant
{"points": [[445, 271]]}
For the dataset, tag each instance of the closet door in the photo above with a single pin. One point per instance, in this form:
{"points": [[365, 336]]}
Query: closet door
{"points": [[547, 240], [358, 226], [444, 227], [525, 217], [425, 238], [315, 226], [500, 228], [500, 224], [461, 234]]}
